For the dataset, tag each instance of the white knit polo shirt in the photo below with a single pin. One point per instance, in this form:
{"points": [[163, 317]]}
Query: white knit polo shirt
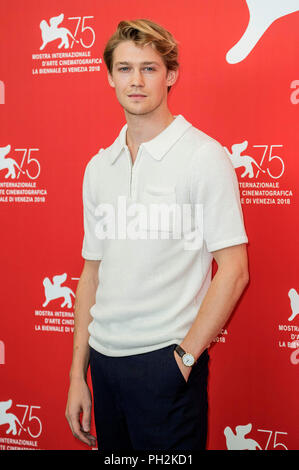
{"points": [[150, 290]]}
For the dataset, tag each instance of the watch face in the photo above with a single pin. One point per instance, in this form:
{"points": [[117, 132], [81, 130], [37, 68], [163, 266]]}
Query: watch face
{"points": [[188, 359]]}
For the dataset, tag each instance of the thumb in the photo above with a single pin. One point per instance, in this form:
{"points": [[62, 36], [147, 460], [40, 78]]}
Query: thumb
{"points": [[86, 419]]}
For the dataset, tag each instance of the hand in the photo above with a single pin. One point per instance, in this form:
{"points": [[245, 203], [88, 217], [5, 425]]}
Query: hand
{"points": [[79, 400], [185, 370]]}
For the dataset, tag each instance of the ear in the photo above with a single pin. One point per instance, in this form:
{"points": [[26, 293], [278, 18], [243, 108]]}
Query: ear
{"points": [[172, 76], [110, 79]]}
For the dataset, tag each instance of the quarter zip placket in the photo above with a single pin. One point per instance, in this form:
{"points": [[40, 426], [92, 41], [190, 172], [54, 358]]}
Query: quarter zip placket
{"points": [[133, 174]]}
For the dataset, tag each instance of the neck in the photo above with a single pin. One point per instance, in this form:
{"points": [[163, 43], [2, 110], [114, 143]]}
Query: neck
{"points": [[142, 128]]}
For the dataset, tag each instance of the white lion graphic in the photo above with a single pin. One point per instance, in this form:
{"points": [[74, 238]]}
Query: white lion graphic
{"points": [[294, 300], [55, 290], [52, 32], [238, 441], [239, 160], [8, 163], [262, 14], [9, 418]]}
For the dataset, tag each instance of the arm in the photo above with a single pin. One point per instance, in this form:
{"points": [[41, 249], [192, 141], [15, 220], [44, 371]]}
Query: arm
{"points": [[79, 397], [225, 289]]}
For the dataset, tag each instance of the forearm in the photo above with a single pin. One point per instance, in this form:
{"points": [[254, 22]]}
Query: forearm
{"points": [[218, 304], [85, 298]]}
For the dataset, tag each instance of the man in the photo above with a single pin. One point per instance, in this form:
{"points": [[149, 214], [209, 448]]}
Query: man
{"points": [[146, 307]]}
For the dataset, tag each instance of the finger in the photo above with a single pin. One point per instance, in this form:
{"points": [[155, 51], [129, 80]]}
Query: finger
{"points": [[69, 421], [86, 419], [89, 436], [78, 431]]}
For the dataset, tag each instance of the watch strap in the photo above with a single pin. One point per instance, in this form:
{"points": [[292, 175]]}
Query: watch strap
{"points": [[180, 350]]}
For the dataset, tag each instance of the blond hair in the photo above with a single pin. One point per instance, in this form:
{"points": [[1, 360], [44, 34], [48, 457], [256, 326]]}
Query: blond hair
{"points": [[143, 32]]}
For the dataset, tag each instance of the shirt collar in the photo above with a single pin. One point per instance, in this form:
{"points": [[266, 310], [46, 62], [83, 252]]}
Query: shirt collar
{"points": [[159, 145]]}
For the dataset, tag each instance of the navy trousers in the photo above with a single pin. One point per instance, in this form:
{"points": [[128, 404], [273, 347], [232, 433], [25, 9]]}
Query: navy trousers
{"points": [[143, 402]]}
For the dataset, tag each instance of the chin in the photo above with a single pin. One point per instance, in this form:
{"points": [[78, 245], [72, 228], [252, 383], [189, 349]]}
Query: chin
{"points": [[137, 110]]}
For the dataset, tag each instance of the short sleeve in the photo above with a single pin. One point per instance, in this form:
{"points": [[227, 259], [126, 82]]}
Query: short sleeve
{"points": [[215, 186], [92, 246]]}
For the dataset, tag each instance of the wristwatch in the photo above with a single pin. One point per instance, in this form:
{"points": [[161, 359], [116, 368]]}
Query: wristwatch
{"points": [[187, 358]]}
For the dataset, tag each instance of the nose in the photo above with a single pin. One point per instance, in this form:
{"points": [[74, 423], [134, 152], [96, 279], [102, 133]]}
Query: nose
{"points": [[137, 78]]}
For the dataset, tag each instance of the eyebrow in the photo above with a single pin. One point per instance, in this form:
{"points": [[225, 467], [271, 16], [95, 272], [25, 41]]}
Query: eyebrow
{"points": [[142, 63]]}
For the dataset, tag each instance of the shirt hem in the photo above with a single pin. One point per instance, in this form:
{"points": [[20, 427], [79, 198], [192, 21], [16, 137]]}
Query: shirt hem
{"points": [[129, 352]]}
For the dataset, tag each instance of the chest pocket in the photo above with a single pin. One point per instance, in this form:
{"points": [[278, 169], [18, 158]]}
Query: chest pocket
{"points": [[161, 207]]}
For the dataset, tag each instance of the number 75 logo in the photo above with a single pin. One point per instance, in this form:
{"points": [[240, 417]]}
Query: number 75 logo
{"points": [[239, 441]]}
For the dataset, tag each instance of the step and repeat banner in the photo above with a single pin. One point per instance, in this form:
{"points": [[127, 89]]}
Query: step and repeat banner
{"points": [[239, 83]]}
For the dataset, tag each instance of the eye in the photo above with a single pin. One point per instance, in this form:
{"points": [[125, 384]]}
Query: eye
{"points": [[151, 69], [123, 68]]}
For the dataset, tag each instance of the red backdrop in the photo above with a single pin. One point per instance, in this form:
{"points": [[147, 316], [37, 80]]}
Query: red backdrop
{"points": [[238, 83]]}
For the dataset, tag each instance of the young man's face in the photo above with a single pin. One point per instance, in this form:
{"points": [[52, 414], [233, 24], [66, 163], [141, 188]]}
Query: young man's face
{"points": [[140, 78]]}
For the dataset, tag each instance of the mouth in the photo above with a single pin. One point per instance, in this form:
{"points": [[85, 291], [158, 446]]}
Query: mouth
{"points": [[137, 96]]}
